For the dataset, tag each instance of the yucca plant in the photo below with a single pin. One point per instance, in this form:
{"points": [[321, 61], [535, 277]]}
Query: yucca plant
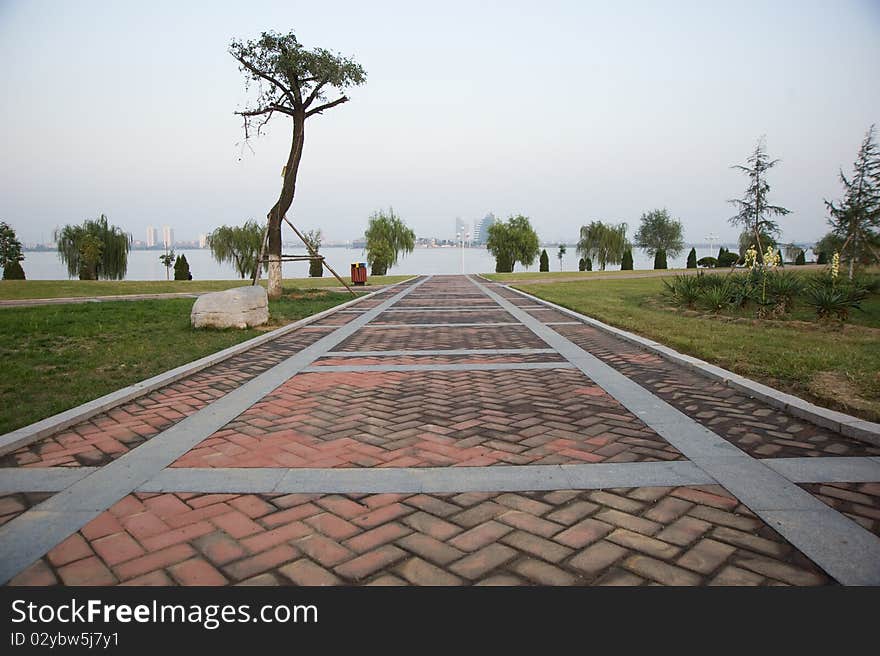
{"points": [[834, 301], [782, 288], [717, 297], [684, 290]]}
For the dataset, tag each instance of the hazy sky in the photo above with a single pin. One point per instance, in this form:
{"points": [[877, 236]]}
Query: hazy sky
{"points": [[563, 111]]}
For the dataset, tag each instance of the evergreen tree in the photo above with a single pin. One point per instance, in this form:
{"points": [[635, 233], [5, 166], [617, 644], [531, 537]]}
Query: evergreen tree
{"points": [[660, 259], [692, 259], [626, 263], [856, 218], [800, 259], [10, 253], [181, 268], [822, 258], [589, 264], [545, 261], [756, 214], [582, 264]]}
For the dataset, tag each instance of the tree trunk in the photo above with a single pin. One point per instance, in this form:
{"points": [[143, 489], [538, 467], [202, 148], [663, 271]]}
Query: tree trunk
{"points": [[276, 214]]}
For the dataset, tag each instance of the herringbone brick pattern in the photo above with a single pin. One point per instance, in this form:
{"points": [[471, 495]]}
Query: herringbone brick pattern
{"points": [[858, 501], [430, 338], [431, 418], [758, 429], [108, 435], [451, 316], [640, 536], [12, 505], [439, 359]]}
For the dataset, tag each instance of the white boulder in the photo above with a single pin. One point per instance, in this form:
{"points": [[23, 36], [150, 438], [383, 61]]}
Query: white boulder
{"points": [[241, 307]]}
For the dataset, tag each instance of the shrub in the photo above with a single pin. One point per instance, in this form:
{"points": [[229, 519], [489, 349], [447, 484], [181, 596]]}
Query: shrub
{"points": [[707, 262], [717, 296], [660, 259], [782, 288], [582, 264], [684, 290], [545, 261], [821, 258], [626, 264], [727, 259], [13, 271], [181, 268], [801, 258], [589, 264], [692, 259], [832, 301]]}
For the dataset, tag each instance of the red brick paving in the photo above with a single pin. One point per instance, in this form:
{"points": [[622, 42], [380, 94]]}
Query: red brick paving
{"points": [[430, 338], [437, 359], [108, 435], [858, 501], [638, 536], [432, 419]]}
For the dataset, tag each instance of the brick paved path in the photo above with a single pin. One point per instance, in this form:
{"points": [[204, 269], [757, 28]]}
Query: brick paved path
{"points": [[442, 431]]}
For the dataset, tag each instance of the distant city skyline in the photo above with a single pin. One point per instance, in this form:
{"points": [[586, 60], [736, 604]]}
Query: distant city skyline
{"points": [[627, 107]]}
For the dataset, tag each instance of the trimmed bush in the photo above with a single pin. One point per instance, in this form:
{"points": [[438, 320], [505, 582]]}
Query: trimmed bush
{"points": [[727, 259], [13, 271], [626, 264], [545, 261], [707, 262], [589, 264], [181, 268], [582, 264], [660, 260], [692, 259], [801, 258]]}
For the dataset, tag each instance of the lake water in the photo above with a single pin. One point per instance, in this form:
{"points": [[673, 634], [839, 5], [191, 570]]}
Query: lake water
{"points": [[145, 265]]}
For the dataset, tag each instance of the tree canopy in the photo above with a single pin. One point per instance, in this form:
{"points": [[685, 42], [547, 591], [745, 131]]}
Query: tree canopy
{"points": [[94, 250], [294, 81], [855, 219], [238, 246], [387, 236], [513, 241], [659, 231], [10, 251], [756, 214], [604, 243]]}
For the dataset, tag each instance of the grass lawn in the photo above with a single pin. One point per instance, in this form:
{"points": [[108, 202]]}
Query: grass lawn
{"points": [[836, 368], [21, 289], [57, 357]]}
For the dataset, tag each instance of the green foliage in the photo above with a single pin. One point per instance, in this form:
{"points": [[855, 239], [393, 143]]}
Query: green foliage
{"points": [[822, 257], [692, 259], [626, 264], [708, 262], [756, 214], [10, 252], [94, 250], [387, 237], [589, 264], [313, 240], [683, 290], [855, 220], [181, 268], [167, 261], [605, 243], [13, 271], [513, 241], [747, 240], [718, 295], [561, 254], [238, 246], [834, 301], [544, 264], [727, 259], [660, 259], [582, 264], [801, 258], [783, 287], [659, 231]]}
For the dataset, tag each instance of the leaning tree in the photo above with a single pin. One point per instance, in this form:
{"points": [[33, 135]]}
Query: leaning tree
{"points": [[293, 81]]}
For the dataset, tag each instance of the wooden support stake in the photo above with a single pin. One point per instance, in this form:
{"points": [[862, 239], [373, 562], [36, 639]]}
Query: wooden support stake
{"points": [[314, 254]]}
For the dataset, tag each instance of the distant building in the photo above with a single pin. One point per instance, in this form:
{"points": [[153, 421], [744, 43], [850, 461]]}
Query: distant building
{"points": [[481, 228], [167, 236], [203, 240], [152, 236]]}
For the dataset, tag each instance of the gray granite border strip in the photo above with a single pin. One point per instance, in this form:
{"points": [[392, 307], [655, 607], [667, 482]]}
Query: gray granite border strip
{"points": [[24, 539], [41, 479], [849, 553], [45, 427], [427, 479], [839, 422], [475, 366]]}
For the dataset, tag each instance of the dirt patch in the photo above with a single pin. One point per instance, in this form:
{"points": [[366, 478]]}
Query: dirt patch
{"points": [[835, 389]]}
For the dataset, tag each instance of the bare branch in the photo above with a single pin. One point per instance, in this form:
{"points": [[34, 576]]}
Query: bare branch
{"points": [[263, 75], [269, 108], [321, 108], [314, 93]]}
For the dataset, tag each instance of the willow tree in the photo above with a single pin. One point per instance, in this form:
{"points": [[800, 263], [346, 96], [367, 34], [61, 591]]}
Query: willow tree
{"points": [[387, 236], [604, 243], [512, 241], [238, 246], [756, 214], [292, 81], [94, 250]]}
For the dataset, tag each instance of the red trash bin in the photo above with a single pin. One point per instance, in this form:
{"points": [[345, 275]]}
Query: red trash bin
{"points": [[359, 273]]}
